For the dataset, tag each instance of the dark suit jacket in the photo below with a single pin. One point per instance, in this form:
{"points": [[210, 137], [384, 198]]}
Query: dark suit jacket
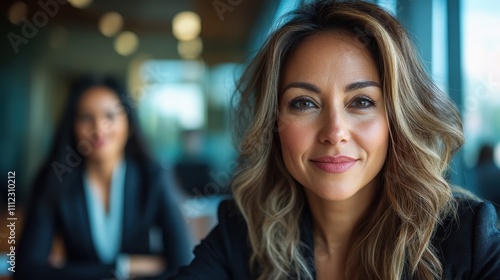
{"points": [[62, 209], [469, 247]]}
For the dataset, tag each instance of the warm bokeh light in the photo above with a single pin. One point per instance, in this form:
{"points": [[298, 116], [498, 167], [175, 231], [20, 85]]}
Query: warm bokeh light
{"points": [[110, 24], [82, 4], [17, 11], [186, 26], [126, 43], [58, 37], [190, 49], [137, 86]]}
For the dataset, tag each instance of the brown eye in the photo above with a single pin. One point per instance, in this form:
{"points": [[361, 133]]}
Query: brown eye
{"points": [[304, 104], [85, 118], [362, 102], [110, 116], [301, 104]]}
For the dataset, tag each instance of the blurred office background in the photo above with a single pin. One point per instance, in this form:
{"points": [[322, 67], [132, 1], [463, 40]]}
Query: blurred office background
{"points": [[180, 60]]}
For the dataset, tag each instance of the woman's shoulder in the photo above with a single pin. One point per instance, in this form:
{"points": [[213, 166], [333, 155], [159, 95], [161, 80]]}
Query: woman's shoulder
{"points": [[145, 166], [471, 210], [55, 184], [468, 240], [233, 229], [230, 217], [468, 215], [150, 174], [224, 253]]}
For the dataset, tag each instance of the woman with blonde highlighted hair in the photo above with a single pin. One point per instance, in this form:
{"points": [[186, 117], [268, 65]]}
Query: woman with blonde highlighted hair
{"points": [[344, 146]]}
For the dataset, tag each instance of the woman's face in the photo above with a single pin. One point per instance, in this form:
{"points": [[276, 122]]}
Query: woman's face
{"points": [[101, 125], [332, 123]]}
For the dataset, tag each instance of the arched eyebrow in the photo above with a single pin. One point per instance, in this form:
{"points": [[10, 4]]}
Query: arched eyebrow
{"points": [[360, 85], [302, 85], [349, 88]]}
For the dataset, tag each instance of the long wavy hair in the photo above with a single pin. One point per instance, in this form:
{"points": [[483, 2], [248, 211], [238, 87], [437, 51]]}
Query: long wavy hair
{"points": [[414, 197]]}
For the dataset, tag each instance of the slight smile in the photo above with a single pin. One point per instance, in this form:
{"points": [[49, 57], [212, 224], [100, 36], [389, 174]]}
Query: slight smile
{"points": [[334, 164]]}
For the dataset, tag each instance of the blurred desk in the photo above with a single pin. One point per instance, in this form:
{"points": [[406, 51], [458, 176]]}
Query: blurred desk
{"points": [[200, 213]]}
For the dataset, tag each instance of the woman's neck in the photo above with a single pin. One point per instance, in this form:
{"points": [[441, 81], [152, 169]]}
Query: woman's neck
{"points": [[335, 222], [333, 225], [100, 171]]}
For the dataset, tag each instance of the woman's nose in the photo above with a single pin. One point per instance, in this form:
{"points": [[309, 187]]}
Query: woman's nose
{"points": [[334, 127], [98, 127]]}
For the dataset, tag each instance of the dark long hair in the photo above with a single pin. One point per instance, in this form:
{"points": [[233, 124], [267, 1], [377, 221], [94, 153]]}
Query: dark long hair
{"points": [[64, 144]]}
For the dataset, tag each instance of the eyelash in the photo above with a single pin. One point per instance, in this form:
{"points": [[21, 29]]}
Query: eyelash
{"points": [[372, 103], [293, 104], [88, 117]]}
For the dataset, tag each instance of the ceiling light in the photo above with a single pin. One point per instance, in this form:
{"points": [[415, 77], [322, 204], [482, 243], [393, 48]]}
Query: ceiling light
{"points": [[126, 43], [186, 26], [82, 4], [17, 11], [110, 24]]}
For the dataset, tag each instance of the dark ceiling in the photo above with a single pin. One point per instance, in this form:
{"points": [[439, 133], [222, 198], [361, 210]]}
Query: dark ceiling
{"points": [[228, 26]]}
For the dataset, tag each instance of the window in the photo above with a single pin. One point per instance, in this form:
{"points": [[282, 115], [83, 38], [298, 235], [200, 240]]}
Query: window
{"points": [[481, 75]]}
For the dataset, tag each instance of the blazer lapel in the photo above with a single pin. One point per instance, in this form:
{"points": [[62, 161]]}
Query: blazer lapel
{"points": [[306, 238], [131, 207], [75, 212]]}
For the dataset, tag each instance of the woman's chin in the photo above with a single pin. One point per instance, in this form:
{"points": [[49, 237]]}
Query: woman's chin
{"points": [[100, 155]]}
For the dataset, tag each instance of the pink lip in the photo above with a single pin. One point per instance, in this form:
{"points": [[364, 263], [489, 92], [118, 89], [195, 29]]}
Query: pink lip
{"points": [[98, 143], [336, 164]]}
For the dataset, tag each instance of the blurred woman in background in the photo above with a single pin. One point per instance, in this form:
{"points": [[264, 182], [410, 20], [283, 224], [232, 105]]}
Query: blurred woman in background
{"points": [[113, 208]]}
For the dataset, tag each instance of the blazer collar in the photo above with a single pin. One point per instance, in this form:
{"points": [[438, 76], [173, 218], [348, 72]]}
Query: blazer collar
{"points": [[307, 239], [131, 207]]}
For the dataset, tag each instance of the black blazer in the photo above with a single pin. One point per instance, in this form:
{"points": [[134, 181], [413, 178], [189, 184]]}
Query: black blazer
{"points": [[468, 247], [149, 203]]}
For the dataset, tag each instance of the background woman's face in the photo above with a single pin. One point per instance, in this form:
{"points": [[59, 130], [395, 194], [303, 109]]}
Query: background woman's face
{"points": [[332, 123], [101, 125]]}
